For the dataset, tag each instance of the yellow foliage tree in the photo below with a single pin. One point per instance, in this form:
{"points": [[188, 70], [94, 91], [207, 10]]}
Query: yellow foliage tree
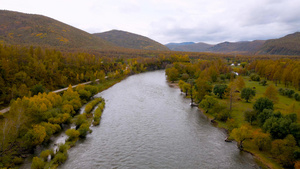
{"points": [[272, 93]]}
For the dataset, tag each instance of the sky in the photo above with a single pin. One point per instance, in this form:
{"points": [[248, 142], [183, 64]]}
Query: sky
{"points": [[209, 21]]}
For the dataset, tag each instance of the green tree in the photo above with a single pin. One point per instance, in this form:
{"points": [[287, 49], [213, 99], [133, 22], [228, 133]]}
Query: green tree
{"points": [[219, 90], [250, 116], [247, 94], [263, 103], [208, 103]]}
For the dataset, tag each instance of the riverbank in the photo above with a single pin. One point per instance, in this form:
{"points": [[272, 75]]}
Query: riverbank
{"points": [[263, 160]]}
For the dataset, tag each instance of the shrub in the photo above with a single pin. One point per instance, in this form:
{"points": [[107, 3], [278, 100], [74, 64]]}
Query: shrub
{"points": [[37, 163], [223, 115], [84, 129], [297, 96], [60, 158], [254, 77], [73, 134], [44, 154], [63, 148], [263, 82]]}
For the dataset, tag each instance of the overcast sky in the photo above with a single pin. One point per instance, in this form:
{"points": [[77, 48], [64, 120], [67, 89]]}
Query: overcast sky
{"points": [[210, 21]]}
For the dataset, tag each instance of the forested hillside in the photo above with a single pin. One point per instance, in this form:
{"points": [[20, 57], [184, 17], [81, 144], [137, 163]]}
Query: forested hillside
{"points": [[130, 40], [288, 45], [37, 30]]}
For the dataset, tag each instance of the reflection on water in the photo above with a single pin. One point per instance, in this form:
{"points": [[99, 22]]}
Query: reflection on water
{"points": [[147, 124]]}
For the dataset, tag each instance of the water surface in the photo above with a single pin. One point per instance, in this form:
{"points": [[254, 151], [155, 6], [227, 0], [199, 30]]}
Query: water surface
{"points": [[147, 124]]}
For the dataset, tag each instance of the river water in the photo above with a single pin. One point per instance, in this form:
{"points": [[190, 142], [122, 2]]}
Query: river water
{"points": [[147, 124]]}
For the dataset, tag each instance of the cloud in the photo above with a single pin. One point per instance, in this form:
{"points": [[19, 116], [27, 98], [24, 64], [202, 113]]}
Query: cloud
{"points": [[174, 20]]}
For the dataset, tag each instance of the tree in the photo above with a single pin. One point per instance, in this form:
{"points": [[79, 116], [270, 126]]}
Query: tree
{"points": [[172, 74], [283, 151], [220, 90], [241, 134], [240, 82], [262, 140], [231, 93], [247, 94], [263, 103], [271, 93], [203, 88], [208, 103], [250, 116]]}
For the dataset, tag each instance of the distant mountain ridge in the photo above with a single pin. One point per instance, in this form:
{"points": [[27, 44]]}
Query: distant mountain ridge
{"points": [[29, 29], [287, 45], [131, 40], [18, 28], [189, 46]]}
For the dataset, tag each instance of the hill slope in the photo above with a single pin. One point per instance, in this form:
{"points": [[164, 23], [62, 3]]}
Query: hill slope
{"points": [[287, 45], [130, 40], [189, 46], [244, 47], [29, 29]]}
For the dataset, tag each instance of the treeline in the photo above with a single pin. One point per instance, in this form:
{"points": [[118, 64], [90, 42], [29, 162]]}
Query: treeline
{"points": [[215, 87]]}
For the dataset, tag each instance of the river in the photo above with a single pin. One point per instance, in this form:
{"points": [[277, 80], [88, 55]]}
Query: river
{"points": [[147, 124]]}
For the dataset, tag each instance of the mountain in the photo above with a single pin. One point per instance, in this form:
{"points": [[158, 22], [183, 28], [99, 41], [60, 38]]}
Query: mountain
{"points": [[29, 29], [189, 46], [242, 47], [287, 45], [130, 40]]}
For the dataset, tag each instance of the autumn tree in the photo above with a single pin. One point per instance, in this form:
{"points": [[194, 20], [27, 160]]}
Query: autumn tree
{"points": [[241, 134], [172, 74], [231, 93], [240, 83], [271, 93], [262, 140]]}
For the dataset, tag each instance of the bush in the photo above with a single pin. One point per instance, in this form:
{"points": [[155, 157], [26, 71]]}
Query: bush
{"points": [[63, 148], [223, 115], [84, 129], [60, 158], [80, 119], [37, 163], [73, 134], [263, 82], [297, 96], [44, 154], [254, 77]]}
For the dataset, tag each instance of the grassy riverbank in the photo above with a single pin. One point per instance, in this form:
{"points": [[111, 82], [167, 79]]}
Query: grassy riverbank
{"points": [[260, 115]]}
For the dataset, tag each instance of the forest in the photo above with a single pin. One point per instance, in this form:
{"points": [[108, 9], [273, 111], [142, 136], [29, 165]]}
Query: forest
{"points": [[29, 74], [256, 101]]}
